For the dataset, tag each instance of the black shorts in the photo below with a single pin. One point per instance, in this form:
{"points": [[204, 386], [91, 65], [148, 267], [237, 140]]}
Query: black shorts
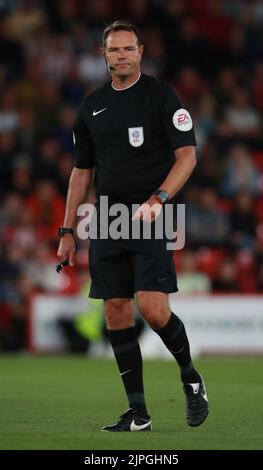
{"points": [[119, 268]]}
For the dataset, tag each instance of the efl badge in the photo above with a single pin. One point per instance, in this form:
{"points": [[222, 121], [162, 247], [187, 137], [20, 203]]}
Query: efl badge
{"points": [[182, 120], [136, 137]]}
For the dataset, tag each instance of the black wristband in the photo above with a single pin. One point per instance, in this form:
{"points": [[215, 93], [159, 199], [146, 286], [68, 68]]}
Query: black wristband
{"points": [[63, 230]]}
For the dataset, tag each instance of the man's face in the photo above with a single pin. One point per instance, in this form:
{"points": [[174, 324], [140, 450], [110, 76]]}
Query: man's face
{"points": [[123, 54]]}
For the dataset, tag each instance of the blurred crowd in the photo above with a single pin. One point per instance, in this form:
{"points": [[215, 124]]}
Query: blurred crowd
{"points": [[211, 52]]}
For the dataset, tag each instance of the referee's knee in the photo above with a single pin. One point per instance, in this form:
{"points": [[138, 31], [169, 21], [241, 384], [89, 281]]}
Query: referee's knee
{"points": [[119, 314], [156, 314]]}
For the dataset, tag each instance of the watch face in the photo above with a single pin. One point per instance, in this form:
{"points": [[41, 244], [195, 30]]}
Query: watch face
{"points": [[162, 195]]}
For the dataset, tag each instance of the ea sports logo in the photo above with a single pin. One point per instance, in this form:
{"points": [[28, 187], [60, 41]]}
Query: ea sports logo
{"points": [[182, 120]]}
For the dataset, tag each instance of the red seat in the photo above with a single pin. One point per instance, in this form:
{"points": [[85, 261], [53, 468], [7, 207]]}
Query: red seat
{"points": [[225, 204], [258, 159], [246, 271], [259, 209], [177, 256], [209, 260]]}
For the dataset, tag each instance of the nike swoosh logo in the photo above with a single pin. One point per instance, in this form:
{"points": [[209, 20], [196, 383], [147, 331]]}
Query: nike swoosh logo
{"points": [[162, 279], [98, 112], [137, 427], [126, 371], [195, 387], [177, 352], [204, 395]]}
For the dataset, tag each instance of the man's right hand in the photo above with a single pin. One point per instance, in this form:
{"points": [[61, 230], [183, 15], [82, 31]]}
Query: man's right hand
{"points": [[66, 248]]}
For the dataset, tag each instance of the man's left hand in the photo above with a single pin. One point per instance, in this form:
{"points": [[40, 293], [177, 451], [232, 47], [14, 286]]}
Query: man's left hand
{"points": [[149, 210]]}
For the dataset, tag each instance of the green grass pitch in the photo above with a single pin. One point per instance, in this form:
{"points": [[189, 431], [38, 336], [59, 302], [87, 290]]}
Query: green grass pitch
{"points": [[62, 402]]}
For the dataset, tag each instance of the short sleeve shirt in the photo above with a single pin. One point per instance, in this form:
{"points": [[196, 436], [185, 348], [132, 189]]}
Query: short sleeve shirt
{"points": [[129, 137]]}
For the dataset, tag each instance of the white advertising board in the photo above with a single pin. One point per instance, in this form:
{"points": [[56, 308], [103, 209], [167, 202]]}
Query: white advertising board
{"points": [[214, 324]]}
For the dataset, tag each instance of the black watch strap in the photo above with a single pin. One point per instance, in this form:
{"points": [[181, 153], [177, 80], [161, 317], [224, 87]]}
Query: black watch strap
{"points": [[63, 230]]}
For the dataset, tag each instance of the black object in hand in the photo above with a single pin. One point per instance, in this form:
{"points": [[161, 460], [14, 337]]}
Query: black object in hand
{"points": [[61, 265]]}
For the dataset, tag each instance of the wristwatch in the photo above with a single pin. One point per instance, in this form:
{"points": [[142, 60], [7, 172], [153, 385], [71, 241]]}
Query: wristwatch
{"points": [[63, 230], [161, 195]]}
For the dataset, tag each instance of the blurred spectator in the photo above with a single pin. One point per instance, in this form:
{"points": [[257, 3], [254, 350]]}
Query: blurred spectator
{"points": [[208, 171], [154, 62], [243, 221], [41, 269], [190, 87], [191, 48], [13, 205], [213, 21], [257, 86], [64, 129], [57, 59], [26, 133], [29, 88], [92, 66], [21, 176], [65, 165], [72, 87], [240, 172], [8, 111], [11, 266], [205, 120], [47, 206], [206, 224], [97, 14], [224, 86], [49, 105], [8, 147], [23, 232], [13, 336], [11, 53], [62, 13], [226, 281], [236, 54], [45, 162], [170, 15], [26, 19], [243, 120], [190, 280]]}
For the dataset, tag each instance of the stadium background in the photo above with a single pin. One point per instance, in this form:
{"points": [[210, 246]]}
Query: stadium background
{"points": [[212, 53]]}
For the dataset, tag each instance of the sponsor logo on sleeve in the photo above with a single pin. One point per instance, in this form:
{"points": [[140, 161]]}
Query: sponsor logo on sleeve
{"points": [[182, 120]]}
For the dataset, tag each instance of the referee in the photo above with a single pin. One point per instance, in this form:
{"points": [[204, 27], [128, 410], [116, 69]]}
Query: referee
{"points": [[135, 134]]}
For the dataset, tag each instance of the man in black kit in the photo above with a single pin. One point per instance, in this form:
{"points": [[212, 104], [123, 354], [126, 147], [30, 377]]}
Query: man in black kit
{"points": [[139, 139]]}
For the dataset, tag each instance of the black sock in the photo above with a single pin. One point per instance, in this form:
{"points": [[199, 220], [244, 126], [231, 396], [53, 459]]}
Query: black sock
{"points": [[129, 359], [174, 337]]}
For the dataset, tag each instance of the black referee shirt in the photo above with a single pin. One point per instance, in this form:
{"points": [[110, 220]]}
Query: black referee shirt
{"points": [[129, 136]]}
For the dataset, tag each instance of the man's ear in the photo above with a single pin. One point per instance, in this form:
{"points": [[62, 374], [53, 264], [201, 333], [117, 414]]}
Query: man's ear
{"points": [[102, 51], [141, 49]]}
